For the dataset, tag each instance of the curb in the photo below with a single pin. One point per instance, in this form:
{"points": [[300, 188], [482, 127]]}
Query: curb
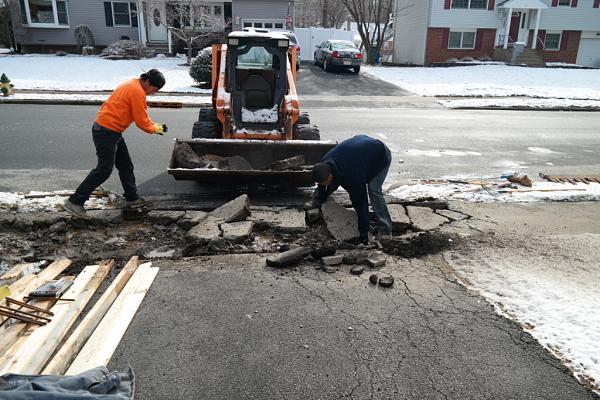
{"points": [[525, 108]]}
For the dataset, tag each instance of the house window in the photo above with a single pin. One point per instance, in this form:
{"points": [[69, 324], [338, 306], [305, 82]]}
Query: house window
{"points": [[472, 4], [461, 40], [564, 3], [121, 14], [217, 11], [44, 13], [552, 41], [267, 24]]}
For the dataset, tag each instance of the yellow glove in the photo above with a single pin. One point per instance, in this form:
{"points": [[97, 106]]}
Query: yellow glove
{"points": [[160, 129]]}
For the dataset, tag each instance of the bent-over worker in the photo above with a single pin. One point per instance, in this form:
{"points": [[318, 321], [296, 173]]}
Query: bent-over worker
{"points": [[358, 164], [125, 105]]}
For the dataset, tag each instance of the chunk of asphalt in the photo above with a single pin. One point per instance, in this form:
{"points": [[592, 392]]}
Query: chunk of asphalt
{"points": [[376, 259], [386, 281], [356, 257], [206, 230], [357, 270], [325, 250], [400, 221], [237, 231], [424, 219], [235, 210], [329, 269], [288, 163], [373, 279], [341, 222], [191, 219], [164, 217], [333, 260], [288, 258], [285, 221]]}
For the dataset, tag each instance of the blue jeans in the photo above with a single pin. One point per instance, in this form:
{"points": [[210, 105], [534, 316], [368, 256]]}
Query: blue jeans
{"points": [[376, 196]]}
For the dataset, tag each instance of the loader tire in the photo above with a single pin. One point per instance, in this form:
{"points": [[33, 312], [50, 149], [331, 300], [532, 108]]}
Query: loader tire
{"points": [[308, 132], [303, 119], [207, 114], [205, 130]]}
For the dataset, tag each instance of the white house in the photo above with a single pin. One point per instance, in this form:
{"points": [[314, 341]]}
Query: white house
{"points": [[430, 31]]}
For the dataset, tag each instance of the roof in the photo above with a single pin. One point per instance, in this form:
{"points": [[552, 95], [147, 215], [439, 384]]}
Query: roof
{"points": [[251, 34], [529, 4]]}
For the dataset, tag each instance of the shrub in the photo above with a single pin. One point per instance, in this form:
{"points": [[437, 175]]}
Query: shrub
{"points": [[126, 49], [201, 67]]}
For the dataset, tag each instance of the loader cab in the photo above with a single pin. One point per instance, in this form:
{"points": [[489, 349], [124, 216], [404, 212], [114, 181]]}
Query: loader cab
{"points": [[257, 78]]}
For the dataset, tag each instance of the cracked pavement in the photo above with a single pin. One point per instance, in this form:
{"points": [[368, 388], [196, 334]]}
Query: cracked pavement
{"points": [[227, 327]]}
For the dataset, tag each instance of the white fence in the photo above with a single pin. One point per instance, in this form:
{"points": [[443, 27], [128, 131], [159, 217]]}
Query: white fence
{"points": [[310, 38]]}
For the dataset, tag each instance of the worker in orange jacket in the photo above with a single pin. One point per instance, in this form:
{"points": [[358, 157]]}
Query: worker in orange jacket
{"points": [[127, 104]]}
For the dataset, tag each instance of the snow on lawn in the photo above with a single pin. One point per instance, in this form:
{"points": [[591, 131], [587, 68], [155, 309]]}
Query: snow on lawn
{"points": [[553, 295], [76, 97], [494, 81], [91, 73], [47, 201]]}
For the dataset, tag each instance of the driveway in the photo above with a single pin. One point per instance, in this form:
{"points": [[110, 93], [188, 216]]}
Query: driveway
{"points": [[312, 80]]}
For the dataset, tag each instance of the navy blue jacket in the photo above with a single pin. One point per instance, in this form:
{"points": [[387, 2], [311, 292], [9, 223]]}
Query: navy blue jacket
{"points": [[354, 163]]}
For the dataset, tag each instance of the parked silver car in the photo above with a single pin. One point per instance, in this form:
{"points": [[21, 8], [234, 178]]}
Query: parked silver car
{"points": [[338, 53]]}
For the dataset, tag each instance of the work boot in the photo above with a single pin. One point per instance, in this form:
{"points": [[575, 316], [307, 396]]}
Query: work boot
{"points": [[140, 202], [76, 210]]}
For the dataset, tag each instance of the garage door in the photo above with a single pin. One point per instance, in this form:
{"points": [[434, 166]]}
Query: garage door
{"points": [[589, 53]]}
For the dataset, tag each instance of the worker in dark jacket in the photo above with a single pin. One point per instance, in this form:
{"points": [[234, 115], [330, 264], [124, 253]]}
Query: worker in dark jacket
{"points": [[358, 164]]}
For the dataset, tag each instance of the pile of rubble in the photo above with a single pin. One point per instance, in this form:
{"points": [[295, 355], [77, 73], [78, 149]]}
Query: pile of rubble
{"points": [[186, 157]]}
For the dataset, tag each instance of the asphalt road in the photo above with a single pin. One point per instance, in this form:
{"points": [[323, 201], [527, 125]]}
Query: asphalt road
{"points": [[48, 147]]}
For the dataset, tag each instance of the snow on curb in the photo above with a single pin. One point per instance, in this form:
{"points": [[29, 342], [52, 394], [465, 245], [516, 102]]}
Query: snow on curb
{"points": [[51, 201], [540, 192]]}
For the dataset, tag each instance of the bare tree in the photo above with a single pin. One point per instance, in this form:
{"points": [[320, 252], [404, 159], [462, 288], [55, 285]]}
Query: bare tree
{"points": [[323, 13], [6, 37], [189, 21], [372, 18]]}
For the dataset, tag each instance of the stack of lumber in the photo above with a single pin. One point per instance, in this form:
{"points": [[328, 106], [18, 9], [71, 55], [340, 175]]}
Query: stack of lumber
{"points": [[30, 349]]}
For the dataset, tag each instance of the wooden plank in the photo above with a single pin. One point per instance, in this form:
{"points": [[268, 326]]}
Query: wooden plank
{"points": [[31, 356], [64, 357], [23, 286], [15, 272], [104, 341]]}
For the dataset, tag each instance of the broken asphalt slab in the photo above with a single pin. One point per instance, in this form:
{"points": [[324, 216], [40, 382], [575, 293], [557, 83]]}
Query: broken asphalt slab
{"points": [[225, 327]]}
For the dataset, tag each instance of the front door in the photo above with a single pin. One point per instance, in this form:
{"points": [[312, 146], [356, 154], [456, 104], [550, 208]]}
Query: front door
{"points": [[513, 34], [157, 23]]}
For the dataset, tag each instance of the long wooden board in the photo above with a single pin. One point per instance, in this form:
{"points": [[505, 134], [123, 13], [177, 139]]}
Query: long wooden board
{"points": [[69, 350], [30, 356], [104, 341]]}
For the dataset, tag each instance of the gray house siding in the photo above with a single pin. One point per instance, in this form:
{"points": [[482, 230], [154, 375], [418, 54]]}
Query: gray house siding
{"points": [[410, 31], [81, 12], [260, 10]]}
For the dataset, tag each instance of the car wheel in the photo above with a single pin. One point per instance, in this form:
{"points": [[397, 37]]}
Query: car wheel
{"points": [[325, 65], [308, 132], [356, 69], [316, 62]]}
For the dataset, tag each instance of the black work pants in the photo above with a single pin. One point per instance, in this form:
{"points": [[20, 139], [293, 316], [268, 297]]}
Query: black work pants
{"points": [[111, 151]]}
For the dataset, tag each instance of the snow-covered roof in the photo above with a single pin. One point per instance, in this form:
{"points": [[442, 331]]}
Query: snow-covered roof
{"points": [[530, 4], [251, 34]]}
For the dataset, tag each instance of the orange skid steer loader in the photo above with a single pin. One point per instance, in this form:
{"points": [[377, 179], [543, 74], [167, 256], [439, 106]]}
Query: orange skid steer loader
{"points": [[255, 117]]}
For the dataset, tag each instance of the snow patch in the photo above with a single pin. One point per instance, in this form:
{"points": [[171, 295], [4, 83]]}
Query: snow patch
{"points": [[261, 115]]}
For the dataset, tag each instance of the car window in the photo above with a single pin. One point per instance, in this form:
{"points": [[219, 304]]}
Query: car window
{"points": [[343, 46], [292, 38], [255, 57]]}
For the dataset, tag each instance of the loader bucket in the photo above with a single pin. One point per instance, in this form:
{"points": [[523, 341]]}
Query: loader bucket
{"points": [[260, 154]]}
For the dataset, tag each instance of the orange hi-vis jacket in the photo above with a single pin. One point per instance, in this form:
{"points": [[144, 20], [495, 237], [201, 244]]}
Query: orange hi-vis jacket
{"points": [[124, 106]]}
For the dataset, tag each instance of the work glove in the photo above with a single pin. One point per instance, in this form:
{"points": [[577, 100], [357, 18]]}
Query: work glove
{"points": [[160, 129]]}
